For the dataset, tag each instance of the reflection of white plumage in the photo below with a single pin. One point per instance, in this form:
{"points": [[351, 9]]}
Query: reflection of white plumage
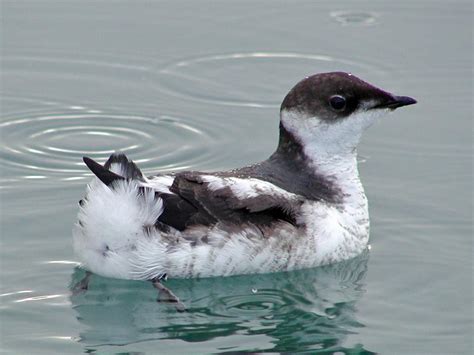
{"points": [[326, 296], [302, 207]]}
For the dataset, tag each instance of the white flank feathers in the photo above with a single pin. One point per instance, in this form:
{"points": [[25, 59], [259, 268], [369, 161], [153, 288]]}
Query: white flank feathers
{"points": [[111, 239]]}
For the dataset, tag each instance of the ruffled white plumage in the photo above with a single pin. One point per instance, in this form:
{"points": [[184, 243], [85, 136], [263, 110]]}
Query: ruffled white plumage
{"points": [[112, 238]]}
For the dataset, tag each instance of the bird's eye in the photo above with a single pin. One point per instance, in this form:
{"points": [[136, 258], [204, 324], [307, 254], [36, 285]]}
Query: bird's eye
{"points": [[337, 102]]}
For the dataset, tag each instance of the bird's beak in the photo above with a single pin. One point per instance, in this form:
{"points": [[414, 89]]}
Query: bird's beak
{"points": [[396, 101]]}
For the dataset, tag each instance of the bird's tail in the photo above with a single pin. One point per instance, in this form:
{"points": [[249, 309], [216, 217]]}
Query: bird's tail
{"points": [[117, 167], [119, 209]]}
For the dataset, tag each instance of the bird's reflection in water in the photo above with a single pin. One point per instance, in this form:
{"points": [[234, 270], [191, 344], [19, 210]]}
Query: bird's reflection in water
{"points": [[284, 312]]}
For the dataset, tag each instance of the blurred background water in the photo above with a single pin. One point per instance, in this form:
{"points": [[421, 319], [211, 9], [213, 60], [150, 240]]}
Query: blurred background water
{"points": [[197, 85]]}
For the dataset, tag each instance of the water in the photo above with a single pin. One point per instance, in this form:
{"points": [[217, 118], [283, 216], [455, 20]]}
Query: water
{"points": [[197, 85]]}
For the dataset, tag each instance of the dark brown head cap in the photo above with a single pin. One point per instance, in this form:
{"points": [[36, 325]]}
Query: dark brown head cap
{"points": [[331, 96]]}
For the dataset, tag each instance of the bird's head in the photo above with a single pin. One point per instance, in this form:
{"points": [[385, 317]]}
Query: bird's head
{"points": [[328, 112]]}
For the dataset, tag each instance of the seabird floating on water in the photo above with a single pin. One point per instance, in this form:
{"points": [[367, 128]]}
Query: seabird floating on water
{"points": [[302, 207]]}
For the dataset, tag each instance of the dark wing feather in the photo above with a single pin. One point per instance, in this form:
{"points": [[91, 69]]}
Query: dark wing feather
{"points": [[195, 203], [179, 213]]}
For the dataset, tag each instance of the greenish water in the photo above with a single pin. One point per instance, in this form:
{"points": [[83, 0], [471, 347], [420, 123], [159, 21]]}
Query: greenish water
{"points": [[197, 85]]}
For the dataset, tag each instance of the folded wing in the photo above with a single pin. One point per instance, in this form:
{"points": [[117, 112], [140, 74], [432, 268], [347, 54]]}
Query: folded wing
{"points": [[193, 198], [197, 198]]}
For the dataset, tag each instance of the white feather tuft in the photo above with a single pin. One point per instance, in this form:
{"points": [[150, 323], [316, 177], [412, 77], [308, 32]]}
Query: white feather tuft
{"points": [[111, 222]]}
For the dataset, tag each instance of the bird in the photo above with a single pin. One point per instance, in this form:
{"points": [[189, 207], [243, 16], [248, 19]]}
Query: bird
{"points": [[303, 207]]}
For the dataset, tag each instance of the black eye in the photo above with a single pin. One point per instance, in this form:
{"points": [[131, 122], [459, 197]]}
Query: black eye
{"points": [[337, 102]]}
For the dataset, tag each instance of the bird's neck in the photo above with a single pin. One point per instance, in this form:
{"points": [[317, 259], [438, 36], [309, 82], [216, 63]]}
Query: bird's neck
{"points": [[338, 170]]}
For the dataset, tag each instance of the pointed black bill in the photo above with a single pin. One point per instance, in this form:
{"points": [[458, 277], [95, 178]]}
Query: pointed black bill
{"points": [[396, 102]]}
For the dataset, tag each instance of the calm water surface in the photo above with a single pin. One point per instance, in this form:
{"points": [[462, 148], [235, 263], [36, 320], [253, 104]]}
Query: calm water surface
{"points": [[196, 85]]}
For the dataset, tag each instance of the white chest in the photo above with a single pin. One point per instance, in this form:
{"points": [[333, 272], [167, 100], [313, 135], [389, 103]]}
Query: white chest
{"points": [[339, 231]]}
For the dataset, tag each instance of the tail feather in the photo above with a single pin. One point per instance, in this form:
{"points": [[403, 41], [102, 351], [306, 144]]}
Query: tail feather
{"points": [[124, 169], [104, 175], [120, 164]]}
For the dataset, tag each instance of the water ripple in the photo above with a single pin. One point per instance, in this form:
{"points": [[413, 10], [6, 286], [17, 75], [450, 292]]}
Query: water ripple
{"points": [[355, 18], [39, 298], [52, 144], [231, 79]]}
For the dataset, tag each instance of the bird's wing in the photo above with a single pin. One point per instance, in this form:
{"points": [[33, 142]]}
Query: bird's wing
{"points": [[193, 198], [198, 198]]}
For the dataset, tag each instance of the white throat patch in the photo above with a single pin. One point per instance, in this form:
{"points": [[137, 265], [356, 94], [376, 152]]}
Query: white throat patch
{"points": [[322, 140]]}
